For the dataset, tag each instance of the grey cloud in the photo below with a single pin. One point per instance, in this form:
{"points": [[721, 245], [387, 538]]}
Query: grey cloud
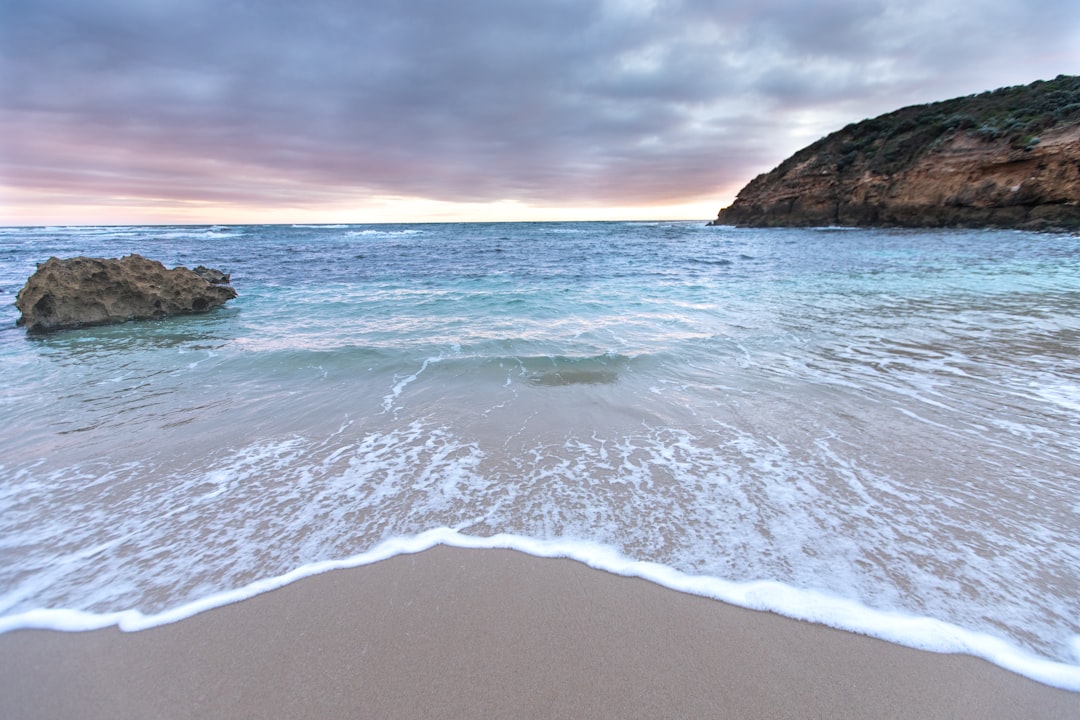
{"points": [[549, 101]]}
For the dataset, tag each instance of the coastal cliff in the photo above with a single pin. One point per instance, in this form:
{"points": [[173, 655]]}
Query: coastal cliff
{"points": [[1006, 158]]}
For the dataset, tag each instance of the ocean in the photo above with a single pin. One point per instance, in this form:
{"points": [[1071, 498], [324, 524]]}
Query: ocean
{"points": [[878, 430]]}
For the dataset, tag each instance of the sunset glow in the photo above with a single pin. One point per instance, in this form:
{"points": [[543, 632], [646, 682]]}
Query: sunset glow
{"points": [[199, 112]]}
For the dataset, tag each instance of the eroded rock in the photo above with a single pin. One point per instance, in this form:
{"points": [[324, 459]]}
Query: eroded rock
{"points": [[83, 291], [212, 276]]}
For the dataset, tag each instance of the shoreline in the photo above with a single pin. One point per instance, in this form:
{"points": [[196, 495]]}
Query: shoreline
{"points": [[452, 632], [911, 631]]}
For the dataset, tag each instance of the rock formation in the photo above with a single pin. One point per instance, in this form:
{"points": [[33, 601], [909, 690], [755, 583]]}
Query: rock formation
{"points": [[212, 276], [97, 291], [1007, 158]]}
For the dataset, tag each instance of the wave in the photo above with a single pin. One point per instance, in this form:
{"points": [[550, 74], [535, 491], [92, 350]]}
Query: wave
{"points": [[561, 370], [701, 261], [372, 232], [537, 370], [922, 633], [479, 360], [541, 371], [195, 233]]}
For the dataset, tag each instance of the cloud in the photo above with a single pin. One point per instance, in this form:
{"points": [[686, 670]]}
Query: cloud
{"points": [[545, 102]]}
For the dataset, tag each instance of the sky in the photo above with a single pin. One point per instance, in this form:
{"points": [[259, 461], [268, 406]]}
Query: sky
{"points": [[264, 111]]}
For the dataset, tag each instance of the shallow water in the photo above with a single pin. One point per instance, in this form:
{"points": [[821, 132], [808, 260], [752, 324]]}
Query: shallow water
{"points": [[881, 425]]}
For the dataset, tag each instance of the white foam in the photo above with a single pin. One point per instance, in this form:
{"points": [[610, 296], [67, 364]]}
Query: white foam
{"points": [[922, 633], [371, 232], [400, 385], [207, 233], [1065, 395]]}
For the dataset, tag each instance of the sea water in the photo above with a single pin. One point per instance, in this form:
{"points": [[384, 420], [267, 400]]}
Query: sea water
{"points": [[874, 429]]}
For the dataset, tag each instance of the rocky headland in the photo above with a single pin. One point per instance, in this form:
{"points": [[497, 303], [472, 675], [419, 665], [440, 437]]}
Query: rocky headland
{"points": [[1008, 158], [85, 291]]}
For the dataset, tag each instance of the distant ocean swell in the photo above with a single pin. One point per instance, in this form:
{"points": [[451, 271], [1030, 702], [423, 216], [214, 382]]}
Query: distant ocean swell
{"points": [[873, 430]]}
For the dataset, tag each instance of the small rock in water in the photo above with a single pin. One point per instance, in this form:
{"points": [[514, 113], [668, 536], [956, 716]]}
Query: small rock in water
{"points": [[84, 291], [212, 276]]}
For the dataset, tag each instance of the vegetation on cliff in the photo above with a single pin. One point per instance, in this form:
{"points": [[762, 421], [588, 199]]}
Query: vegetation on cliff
{"points": [[1008, 157]]}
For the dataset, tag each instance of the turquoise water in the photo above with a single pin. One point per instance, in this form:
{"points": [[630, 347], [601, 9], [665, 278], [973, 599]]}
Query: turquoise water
{"points": [[879, 430]]}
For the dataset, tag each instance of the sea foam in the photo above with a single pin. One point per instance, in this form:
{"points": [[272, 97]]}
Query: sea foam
{"points": [[922, 633]]}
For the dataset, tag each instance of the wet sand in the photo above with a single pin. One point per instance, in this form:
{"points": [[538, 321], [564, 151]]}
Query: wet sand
{"points": [[452, 633]]}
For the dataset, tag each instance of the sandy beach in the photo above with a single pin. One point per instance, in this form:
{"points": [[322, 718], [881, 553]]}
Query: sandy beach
{"points": [[454, 633]]}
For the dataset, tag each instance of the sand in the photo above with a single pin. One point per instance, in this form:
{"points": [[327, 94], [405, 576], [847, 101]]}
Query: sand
{"points": [[453, 633]]}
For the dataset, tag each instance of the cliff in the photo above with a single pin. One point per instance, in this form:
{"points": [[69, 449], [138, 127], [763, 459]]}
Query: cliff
{"points": [[1006, 158]]}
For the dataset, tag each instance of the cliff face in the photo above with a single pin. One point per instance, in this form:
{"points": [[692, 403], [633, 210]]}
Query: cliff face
{"points": [[1009, 158]]}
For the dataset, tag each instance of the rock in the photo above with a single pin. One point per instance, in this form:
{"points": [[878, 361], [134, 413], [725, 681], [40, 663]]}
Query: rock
{"points": [[212, 276], [1007, 158], [84, 291]]}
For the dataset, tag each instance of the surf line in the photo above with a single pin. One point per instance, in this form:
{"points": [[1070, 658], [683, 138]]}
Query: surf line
{"points": [[922, 633]]}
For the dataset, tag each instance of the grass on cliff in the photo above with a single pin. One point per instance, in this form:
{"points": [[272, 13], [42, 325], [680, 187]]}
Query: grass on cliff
{"points": [[891, 142]]}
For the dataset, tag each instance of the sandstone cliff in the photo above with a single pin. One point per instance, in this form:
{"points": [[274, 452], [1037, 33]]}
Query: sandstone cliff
{"points": [[1007, 158], [96, 291]]}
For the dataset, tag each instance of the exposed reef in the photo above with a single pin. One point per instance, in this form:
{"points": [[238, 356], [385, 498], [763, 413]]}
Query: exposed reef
{"points": [[83, 291], [1008, 158]]}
